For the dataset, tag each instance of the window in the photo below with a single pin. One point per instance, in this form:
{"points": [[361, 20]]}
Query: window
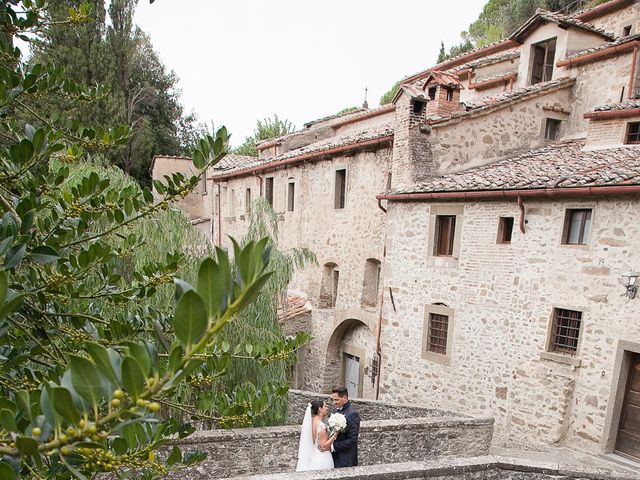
{"points": [[340, 188], [371, 283], [449, 94], [437, 336], [418, 107], [505, 229], [291, 192], [437, 333], [329, 287], [232, 203], [551, 129], [633, 132], [543, 55], [565, 331], [577, 224], [432, 92], [268, 190], [626, 30], [247, 201], [445, 230]]}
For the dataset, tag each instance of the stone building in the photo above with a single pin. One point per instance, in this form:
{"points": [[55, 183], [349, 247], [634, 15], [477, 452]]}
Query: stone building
{"points": [[472, 235]]}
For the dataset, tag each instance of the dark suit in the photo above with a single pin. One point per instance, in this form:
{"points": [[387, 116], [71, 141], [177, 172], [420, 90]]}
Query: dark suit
{"points": [[345, 448]]}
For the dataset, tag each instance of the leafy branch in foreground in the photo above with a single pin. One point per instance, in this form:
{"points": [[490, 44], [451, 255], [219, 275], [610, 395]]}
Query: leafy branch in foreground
{"points": [[88, 365]]}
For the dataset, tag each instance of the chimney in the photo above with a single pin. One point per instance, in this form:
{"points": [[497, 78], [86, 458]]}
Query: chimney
{"points": [[443, 93]]}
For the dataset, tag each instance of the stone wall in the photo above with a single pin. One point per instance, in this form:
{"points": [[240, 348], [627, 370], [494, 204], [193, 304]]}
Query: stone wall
{"points": [[478, 468], [274, 449], [368, 409], [503, 296]]}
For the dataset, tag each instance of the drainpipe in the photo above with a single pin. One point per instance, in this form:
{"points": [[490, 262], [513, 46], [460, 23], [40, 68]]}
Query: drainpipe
{"points": [[219, 219], [521, 205], [378, 345], [633, 72], [607, 52], [380, 205], [608, 114], [602, 10]]}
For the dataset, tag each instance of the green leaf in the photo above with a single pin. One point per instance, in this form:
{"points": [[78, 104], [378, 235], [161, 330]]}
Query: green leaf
{"points": [[86, 380], [13, 301], [44, 254], [8, 420], [210, 287], [63, 404], [141, 354], [14, 256], [198, 159], [6, 471], [3, 286], [100, 356], [132, 376], [190, 318], [5, 244], [175, 358], [174, 457], [119, 446], [26, 445]]}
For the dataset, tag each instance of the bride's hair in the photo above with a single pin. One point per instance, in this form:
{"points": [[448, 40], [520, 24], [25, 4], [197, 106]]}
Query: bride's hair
{"points": [[315, 406]]}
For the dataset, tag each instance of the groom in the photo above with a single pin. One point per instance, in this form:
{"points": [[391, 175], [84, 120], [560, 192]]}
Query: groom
{"points": [[345, 448]]}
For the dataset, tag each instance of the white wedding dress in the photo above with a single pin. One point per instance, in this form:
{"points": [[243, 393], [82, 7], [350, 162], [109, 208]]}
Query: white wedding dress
{"points": [[309, 455]]}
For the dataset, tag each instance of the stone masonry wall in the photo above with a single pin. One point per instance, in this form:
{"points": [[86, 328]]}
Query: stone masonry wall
{"points": [[486, 138], [503, 296], [274, 449], [614, 22]]}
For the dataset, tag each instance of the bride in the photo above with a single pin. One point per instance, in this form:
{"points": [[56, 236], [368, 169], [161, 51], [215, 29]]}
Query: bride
{"points": [[314, 436]]}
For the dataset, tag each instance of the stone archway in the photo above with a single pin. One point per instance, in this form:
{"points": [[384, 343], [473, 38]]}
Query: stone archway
{"points": [[354, 338]]}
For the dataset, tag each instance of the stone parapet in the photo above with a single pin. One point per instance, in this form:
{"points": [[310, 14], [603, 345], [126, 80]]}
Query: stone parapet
{"points": [[274, 450], [368, 409], [487, 467]]}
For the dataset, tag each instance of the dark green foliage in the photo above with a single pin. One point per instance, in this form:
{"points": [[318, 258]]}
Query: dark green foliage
{"points": [[265, 129], [347, 110], [110, 49], [94, 351], [500, 18], [388, 96]]}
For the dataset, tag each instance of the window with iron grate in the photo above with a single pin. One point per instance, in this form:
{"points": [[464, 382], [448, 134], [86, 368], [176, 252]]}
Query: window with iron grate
{"points": [[437, 337], [565, 331]]}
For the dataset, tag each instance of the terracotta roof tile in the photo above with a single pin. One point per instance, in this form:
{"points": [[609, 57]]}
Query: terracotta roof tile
{"points": [[486, 61], [442, 78], [560, 19], [486, 103], [317, 147], [294, 306], [233, 161], [563, 164], [619, 41], [625, 105]]}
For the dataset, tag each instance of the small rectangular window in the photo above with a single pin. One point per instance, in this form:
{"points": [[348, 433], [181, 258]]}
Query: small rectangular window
{"points": [[577, 224], [247, 201], [437, 334], [551, 129], [232, 203], [268, 190], [633, 132], [340, 188], [445, 230], [505, 229], [449, 94], [543, 55], [565, 331], [291, 192], [432, 92], [626, 30]]}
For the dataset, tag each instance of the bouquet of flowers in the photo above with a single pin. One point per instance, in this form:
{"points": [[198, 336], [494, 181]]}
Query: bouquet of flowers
{"points": [[337, 422]]}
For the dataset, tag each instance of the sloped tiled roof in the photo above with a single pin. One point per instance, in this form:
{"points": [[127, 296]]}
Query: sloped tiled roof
{"points": [[234, 161], [487, 103], [487, 61], [351, 138], [294, 306], [620, 41], [560, 165], [625, 105], [337, 115], [542, 15], [443, 78]]}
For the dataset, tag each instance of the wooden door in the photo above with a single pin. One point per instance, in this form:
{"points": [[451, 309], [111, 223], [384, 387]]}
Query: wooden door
{"points": [[351, 374], [628, 441]]}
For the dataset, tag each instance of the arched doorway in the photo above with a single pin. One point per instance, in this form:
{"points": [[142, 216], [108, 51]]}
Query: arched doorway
{"points": [[350, 352]]}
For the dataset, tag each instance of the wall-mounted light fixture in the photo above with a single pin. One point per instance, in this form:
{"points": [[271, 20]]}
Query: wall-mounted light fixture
{"points": [[629, 280]]}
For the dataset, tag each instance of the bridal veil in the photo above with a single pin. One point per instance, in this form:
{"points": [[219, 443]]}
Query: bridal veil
{"points": [[307, 447]]}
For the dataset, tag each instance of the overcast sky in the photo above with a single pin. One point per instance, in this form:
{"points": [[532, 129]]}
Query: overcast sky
{"points": [[243, 60]]}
